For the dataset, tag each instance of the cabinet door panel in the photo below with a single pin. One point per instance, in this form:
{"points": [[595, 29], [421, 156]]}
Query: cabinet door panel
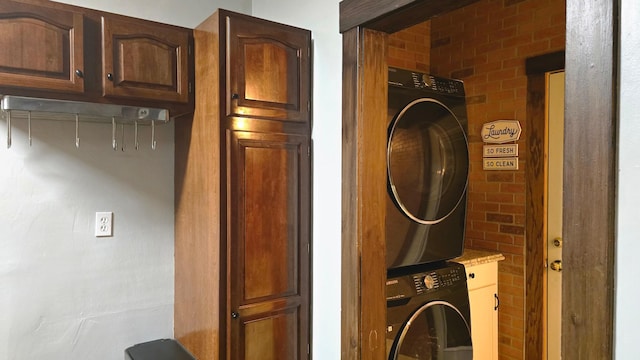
{"points": [[268, 240], [143, 61], [41, 47], [484, 322], [269, 75], [271, 336]]}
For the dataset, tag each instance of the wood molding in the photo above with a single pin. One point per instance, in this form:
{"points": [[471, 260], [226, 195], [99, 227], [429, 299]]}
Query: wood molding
{"points": [[589, 180], [363, 194], [535, 228], [393, 15]]}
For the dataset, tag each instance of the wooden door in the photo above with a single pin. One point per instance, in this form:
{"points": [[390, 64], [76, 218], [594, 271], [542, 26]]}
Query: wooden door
{"points": [[145, 61], [268, 242], [41, 48], [268, 71]]}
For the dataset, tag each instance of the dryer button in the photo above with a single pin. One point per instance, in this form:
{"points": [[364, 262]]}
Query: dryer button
{"points": [[429, 282]]}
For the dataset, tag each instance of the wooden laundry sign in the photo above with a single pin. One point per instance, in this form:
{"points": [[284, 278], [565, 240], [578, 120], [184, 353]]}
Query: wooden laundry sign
{"points": [[505, 156], [501, 131]]}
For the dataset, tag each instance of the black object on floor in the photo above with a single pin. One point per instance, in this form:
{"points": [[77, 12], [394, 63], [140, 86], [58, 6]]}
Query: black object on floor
{"points": [[162, 349]]}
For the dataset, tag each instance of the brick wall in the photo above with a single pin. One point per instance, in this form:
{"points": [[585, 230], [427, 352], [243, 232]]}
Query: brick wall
{"points": [[409, 48], [486, 44]]}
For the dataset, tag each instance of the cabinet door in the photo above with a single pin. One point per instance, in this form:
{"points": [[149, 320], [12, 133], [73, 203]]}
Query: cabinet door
{"points": [[268, 245], [41, 48], [482, 281], [484, 323], [145, 61], [268, 70]]}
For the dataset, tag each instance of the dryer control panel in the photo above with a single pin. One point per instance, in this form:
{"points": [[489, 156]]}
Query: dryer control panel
{"points": [[417, 80]]}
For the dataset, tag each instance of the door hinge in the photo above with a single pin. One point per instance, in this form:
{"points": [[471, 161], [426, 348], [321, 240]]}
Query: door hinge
{"points": [[190, 49], [190, 87]]}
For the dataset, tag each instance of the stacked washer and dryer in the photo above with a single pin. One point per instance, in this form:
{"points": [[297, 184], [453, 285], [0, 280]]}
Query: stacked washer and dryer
{"points": [[428, 315]]}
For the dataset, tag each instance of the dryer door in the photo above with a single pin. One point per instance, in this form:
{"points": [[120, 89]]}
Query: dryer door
{"points": [[436, 331], [427, 161]]}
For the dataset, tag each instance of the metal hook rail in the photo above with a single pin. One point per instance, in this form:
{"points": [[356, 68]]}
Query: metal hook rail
{"points": [[14, 107]]}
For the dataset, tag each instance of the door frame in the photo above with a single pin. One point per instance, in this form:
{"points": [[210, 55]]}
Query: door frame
{"points": [[535, 227], [590, 148]]}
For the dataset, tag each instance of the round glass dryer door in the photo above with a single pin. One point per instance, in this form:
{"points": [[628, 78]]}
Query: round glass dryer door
{"points": [[427, 161], [436, 331]]}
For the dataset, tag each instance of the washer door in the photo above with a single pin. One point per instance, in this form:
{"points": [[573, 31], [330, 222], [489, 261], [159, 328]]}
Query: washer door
{"points": [[436, 331], [427, 161]]}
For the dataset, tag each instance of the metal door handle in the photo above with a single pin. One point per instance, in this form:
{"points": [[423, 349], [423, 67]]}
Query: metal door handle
{"points": [[556, 265], [235, 315], [497, 302]]}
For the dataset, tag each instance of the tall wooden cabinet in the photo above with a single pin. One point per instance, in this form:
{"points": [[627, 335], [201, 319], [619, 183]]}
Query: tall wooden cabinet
{"points": [[243, 194]]}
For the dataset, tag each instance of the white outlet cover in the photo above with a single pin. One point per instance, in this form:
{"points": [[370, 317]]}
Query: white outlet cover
{"points": [[104, 224]]}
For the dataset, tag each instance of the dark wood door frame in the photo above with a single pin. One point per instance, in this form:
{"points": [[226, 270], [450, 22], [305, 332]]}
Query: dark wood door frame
{"points": [[536, 204], [589, 177]]}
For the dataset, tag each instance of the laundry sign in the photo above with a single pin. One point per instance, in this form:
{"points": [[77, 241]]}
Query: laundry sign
{"points": [[501, 156], [501, 131]]}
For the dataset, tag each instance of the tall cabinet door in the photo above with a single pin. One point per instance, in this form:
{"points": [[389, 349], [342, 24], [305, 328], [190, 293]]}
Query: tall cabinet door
{"points": [[269, 192], [269, 70]]}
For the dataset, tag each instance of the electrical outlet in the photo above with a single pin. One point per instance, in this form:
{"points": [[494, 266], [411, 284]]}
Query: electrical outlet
{"points": [[104, 223]]}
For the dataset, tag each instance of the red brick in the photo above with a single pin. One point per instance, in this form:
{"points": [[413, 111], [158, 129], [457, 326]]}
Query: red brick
{"points": [[512, 209], [485, 226], [512, 188], [500, 218], [500, 198]]}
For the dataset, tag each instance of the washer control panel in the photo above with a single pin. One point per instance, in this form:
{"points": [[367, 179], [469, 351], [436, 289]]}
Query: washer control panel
{"points": [[437, 279], [425, 282]]}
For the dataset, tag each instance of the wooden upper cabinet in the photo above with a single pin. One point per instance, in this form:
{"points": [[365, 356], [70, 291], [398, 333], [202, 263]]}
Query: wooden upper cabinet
{"points": [[145, 61], [269, 212], [41, 47], [268, 76]]}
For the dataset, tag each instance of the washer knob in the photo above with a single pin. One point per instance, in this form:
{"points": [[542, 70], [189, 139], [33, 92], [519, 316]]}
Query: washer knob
{"points": [[429, 282]]}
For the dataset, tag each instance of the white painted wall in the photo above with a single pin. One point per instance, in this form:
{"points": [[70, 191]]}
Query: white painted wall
{"points": [[321, 17], [64, 293], [628, 227], [186, 13]]}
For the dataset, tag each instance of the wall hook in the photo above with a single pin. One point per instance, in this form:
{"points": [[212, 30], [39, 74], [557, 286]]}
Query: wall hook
{"points": [[135, 134], [29, 127], [8, 129], [77, 131], [114, 142], [122, 145], [153, 135]]}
